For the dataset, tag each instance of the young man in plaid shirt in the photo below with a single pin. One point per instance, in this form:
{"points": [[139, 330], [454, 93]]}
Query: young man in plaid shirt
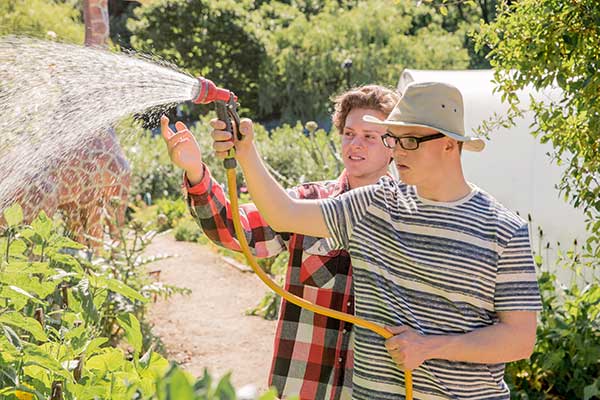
{"points": [[312, 353]]}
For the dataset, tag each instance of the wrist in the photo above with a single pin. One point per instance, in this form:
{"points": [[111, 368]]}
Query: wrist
{"points": [[195, 175], [246, 155], [435, 345]]}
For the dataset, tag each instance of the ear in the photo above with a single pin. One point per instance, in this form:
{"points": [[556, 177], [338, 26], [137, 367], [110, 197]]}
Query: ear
{"points": [[450, 145]]}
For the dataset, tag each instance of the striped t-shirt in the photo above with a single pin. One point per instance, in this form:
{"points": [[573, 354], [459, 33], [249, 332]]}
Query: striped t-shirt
{"points": [[440, 268]]}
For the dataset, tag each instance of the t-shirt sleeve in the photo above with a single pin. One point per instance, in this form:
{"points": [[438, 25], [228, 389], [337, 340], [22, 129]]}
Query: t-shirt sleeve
{"points": [[343, 213], [516, 284]]}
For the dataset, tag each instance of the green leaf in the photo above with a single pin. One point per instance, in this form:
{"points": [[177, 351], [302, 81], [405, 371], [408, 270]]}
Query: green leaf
{"points": [[24, 293], [36, 356], [179, 387], [110, 360], [225, 389], [12, 337], [133, 332], [42, 225], [92, 346], [13, 215], [117, 287], [65, 242], [27, 324], [591, 390], [17, 248]]}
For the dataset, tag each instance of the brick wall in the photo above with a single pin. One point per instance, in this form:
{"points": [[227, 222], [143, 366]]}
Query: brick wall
{"points": [[95, 15]]}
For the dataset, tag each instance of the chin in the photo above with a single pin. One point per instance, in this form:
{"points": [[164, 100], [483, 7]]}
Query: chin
{"points": [[407, 179]]}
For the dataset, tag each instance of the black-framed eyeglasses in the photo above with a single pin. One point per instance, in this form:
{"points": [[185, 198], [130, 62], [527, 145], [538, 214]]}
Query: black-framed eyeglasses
{"points": [[407, 142]]}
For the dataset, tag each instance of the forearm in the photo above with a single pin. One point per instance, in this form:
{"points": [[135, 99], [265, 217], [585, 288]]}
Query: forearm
{"points": [[281, 212], [211, 209], [499, 343]]}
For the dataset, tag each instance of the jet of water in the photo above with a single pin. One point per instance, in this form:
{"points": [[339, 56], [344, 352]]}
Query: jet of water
{"points": [[55, 98]]}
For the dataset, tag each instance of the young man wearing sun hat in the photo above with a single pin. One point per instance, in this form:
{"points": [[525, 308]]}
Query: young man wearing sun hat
{"points": [[436, 259]]}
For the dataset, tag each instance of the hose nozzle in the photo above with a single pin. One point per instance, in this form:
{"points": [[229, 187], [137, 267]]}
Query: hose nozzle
{"points": [[205, 91]]}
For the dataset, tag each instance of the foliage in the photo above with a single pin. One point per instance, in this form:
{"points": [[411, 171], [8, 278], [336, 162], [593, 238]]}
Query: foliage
{"points": [[170, 212], [152, 173], [268, 306], [55, 305], [204, 37], [283, 58], [52, 320], [41, 18], [380, 37], [565, 363], [187, 230], [541, 44]]}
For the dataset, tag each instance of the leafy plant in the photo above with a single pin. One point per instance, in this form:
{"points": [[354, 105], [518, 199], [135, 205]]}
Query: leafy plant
{"points": [[42, 19], [187, 230], [565, 363], [53, 313]]}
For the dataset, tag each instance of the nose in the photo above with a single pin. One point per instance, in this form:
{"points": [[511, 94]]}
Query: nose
{"points": [[357, 141], [399, 151]]}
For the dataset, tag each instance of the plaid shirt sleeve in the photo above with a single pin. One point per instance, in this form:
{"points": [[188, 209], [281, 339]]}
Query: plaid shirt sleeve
{"points": [[211, 209]]}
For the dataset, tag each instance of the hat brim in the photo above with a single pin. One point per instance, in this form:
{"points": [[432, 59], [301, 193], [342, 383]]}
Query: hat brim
{"points": [[469, 143]]}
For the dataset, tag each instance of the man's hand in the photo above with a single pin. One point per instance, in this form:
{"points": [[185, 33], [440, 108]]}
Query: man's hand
{"points": [[407, 347], [222, 139], [184, 150]]}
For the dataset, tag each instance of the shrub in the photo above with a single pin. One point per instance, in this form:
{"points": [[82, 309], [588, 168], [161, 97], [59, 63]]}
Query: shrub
{"points": [[187, 230], [565, 363]]}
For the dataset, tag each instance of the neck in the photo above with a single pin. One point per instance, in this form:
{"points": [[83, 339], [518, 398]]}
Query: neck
{"points": [[447, 188], [357, 181]]}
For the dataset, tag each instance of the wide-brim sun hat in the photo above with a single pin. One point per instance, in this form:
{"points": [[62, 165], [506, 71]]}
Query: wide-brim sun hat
{"points": [[432, 105]]}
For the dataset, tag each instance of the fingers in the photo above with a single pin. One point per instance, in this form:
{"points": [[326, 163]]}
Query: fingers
{"points": [[221, 136], [180, 126], [397, 329], [222, 147], [166, 132], [246, 127], [217, 124]]}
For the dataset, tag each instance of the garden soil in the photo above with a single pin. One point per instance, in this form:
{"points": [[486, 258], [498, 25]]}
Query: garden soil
{"points": [[209, 328]]}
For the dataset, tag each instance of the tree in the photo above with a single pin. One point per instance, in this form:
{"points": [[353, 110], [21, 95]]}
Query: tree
{"points": [[205, 38], [543, 43], [379, 36]]}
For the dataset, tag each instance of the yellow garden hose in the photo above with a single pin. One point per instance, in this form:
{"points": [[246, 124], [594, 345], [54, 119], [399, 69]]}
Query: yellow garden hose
{"points": [[299, 301]]}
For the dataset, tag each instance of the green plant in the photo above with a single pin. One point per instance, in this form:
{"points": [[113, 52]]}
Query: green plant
{"points": [[551, 43], [53, 304], [187, 230], [53, 309], [41, 18], [565, 363], [268, 307], [170, 212], [153, 175]]}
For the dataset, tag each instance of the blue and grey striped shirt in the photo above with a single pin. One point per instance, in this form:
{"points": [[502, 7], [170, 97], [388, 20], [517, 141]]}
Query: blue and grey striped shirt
{"points": [[440, 268]]}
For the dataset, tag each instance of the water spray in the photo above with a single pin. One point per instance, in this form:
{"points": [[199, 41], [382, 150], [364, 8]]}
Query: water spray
{"points": [[205, 92]]}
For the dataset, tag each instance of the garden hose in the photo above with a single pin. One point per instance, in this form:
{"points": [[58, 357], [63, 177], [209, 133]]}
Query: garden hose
{"points": [[292, 298], [226, 108]]}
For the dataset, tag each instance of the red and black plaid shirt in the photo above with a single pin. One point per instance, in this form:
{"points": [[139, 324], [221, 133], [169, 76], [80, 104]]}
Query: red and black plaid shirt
{"points": [[312, 353]]}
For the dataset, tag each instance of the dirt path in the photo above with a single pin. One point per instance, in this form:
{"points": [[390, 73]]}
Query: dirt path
{"points": [[209, 328]]}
